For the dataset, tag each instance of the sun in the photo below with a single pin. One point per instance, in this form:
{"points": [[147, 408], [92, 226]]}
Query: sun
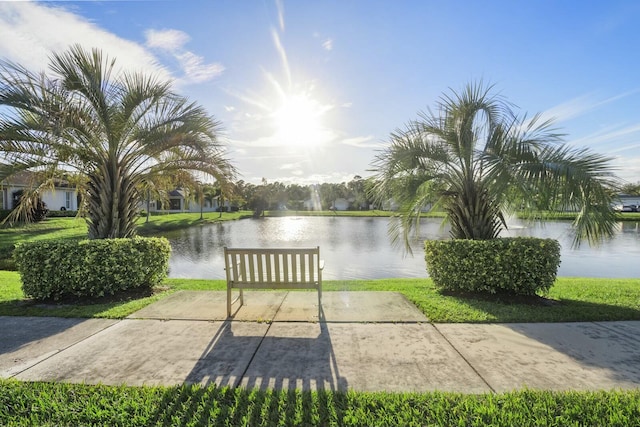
{"points": [[298, 121]]}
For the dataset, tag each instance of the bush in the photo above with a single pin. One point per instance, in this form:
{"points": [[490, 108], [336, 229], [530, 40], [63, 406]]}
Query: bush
{"points": [[56, 269], [521, 266], [62, 214]]}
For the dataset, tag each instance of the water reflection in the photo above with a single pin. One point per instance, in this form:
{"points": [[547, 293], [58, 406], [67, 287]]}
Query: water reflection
{"points": [[359, 248]]}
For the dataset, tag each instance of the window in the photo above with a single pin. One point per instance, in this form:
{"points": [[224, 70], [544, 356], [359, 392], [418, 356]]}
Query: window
{"points": [[174, 204], [68, 197]]}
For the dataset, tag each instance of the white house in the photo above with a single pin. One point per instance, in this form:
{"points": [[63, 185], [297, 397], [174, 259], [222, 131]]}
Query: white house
{"points": [[61, 197], [626, 203], [179, 200], [341, 204]]}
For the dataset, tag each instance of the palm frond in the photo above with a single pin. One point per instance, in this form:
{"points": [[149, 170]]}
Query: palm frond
{"points": [[486, 160], [117, 130]]}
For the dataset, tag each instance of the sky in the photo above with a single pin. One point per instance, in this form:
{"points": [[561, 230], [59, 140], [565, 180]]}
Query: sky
{"points": [[309, 91]]}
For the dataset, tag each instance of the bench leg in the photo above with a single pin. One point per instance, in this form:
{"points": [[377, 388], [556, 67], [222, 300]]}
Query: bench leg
{"points": [[228, 301]]}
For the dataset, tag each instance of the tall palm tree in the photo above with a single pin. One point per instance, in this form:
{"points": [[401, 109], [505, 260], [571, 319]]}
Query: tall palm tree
{"points": [[477, 160], [117, 129]]}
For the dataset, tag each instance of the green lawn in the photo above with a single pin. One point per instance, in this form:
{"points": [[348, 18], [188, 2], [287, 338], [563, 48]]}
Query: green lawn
{"points": [[575, 299], [159, 223], [50, 404], [51, 228]]}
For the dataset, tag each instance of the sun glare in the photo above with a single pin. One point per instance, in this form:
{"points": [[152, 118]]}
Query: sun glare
{"points": [[299, 122]]}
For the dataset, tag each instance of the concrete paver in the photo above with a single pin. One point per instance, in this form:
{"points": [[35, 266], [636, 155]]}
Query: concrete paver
{"points": [[26, 341], [207, 305], [352, 307], [362, 341], [153, 352], [401, 357], [550, 356]]}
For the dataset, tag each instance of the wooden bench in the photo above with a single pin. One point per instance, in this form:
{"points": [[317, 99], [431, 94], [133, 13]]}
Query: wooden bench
{"points": [[291, 268]]}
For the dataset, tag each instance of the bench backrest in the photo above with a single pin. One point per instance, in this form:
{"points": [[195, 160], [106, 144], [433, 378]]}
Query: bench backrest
{"points": [[296, 266]]}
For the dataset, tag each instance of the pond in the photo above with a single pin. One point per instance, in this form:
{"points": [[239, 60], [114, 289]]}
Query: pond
{"points": [[359, 248]]}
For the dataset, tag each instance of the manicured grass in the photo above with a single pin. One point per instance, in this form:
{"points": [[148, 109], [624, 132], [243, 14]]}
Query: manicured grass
{"points": [[51, 228], [13, 303], [159, 223], [570, 216], [48, 404], [574, 299]]}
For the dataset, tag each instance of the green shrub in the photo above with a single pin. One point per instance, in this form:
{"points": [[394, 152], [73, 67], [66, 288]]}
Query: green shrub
{"points": [[57, 269], [62, 214], [522, 266]]}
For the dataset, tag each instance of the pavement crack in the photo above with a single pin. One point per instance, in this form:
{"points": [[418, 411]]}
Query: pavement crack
{"points": [[60, 350], [253, 356], [464, 358]]}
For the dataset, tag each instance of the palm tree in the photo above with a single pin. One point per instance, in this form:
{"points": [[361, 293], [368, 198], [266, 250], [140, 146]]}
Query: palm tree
{"points": [[477, 160], [117, 129]]}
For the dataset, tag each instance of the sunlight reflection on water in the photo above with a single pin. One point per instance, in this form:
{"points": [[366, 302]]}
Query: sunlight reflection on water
{"points": [[359, 248]]}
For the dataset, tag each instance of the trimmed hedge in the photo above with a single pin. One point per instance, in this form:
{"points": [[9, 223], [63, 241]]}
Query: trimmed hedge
{"points": [[520, 265], [56, 269], [62, 214]]}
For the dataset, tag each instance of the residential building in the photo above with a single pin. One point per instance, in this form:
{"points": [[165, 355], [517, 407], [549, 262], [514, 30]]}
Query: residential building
{"points": [[62, 196]]}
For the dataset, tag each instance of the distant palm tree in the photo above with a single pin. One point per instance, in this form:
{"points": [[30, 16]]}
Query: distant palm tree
{"points": [[477, 160], [117, 129]]}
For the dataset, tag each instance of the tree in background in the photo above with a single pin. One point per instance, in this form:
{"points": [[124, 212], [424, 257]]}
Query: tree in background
{"points": [[631, 189], [476, 159], [117, 130]]}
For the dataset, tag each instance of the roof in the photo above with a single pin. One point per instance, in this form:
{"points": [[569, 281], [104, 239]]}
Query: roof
{"points": [[28, 179]]}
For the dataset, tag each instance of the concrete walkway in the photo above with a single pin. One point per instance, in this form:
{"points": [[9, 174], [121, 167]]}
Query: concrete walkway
{"points": [[369, 341]]}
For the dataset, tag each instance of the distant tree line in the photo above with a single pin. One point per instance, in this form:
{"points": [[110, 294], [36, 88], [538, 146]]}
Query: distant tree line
{"points": [[631, 189], [279, 196]]}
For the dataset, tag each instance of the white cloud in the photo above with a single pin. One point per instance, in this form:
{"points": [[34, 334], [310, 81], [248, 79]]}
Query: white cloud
{"points": [[171, 40], [195, 70], [579, 106], [362, 142], [328, 44], [30, 32], [629, 167], [280, 7], [289, 166], [618, 135]]}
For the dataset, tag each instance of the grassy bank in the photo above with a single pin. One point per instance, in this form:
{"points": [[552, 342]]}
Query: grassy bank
{"points": [[570, 300], [161, 223], [51, 228], [47, 404]]}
